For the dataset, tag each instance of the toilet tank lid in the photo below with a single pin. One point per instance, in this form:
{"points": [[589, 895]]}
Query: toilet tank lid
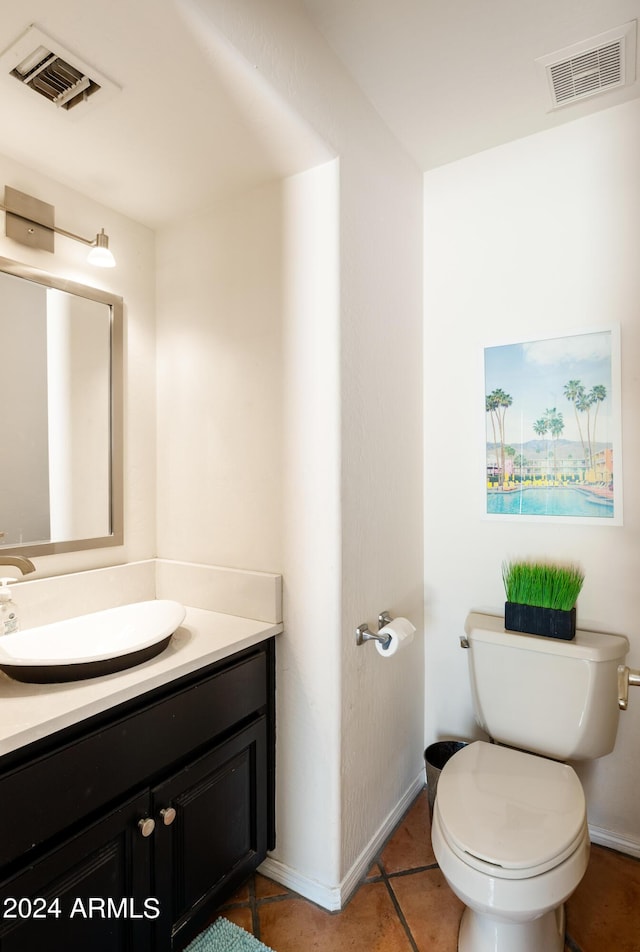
{"points": [[587, 645]]}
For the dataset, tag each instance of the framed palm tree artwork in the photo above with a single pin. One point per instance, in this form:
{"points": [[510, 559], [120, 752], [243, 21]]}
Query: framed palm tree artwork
{"points": [[553, 429]]}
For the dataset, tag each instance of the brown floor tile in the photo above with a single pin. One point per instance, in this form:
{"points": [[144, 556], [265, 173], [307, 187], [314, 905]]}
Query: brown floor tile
{"points": [[241, 915], [368, 923], [410, 845], [240, 895], [373, 873], [431, 910], [604, 912], [266, 888]]}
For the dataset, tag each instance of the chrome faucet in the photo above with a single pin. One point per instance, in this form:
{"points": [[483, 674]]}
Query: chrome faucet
{"points": [[19, 561]]}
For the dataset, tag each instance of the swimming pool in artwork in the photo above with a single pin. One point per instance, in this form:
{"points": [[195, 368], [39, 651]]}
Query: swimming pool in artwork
{"points": [[549, 501]]}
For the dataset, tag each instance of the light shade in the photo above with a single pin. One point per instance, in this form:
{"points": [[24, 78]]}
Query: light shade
{"points": [[100, 254]]}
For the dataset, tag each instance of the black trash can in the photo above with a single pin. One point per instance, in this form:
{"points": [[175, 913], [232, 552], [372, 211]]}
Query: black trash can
{"points": [[435, 757]]}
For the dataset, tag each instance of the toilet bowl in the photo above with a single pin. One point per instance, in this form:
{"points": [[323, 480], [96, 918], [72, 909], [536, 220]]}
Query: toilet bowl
{"points": [[510, 836]]}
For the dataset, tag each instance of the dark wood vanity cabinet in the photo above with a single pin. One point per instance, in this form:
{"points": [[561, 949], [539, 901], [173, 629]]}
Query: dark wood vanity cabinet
{"points": [[125, 832], [57, 902]]}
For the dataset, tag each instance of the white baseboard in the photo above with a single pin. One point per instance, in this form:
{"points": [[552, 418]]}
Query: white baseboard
{"points": [[335, 897], [614, 842], [326, 896], [361, 866]]}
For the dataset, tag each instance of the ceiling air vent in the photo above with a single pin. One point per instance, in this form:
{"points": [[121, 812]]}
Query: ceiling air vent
{"points": [[41, 64], [54, 78], [592, 67]]}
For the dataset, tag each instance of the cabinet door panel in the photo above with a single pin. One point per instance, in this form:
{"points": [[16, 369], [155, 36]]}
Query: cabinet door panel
{"points": [[220, 826], [87, 894]]}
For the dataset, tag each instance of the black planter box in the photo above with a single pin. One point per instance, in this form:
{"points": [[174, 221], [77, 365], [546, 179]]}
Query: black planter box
{"points": [[550, 622]]}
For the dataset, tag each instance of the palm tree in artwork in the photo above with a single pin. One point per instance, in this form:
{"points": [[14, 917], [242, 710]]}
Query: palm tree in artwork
{"points": [[497, 403], [598, 395], [504, 402], [491, 406], [583, 404], [541, 428], [510, 453], [555, 423], [574, 392], [520, 461]]}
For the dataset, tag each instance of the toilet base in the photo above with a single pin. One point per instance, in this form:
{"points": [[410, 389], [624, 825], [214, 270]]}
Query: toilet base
{"points": [[483, 933]]}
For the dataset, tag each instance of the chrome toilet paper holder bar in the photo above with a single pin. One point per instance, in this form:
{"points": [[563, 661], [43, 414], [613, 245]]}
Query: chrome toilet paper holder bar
{"points": [[363, 633]]}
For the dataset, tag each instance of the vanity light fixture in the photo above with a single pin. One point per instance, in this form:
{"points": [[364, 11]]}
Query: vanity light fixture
{"points": [[32, 222]]}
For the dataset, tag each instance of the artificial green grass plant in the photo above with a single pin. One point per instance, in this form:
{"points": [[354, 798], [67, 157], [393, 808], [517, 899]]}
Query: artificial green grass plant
{"points": [[542, 584]]}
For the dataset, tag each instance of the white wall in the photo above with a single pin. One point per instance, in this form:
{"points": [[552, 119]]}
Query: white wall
{"points": [[248, 454], [309, 670], [133, 279], [350, 747], [220, 384], [541, 236]]}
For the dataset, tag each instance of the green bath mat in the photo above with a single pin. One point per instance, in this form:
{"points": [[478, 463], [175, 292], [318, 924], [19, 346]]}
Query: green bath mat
{"points": [[225, 936]]}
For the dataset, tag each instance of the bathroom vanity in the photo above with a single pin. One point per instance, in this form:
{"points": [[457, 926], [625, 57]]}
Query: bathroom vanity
{"points": [[127, 826]]}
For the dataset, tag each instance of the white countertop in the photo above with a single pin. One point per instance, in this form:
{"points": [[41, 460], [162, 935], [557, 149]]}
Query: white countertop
{"points": [[29, 712]]}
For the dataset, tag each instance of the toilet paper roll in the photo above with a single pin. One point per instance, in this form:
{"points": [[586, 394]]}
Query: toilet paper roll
{"points": [[400, 631]]}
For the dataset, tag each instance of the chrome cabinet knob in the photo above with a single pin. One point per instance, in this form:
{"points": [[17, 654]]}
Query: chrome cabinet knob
{"points": [[168, 815], [146, 826]]}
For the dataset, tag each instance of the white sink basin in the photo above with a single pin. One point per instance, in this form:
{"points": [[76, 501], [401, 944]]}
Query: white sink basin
{"points": [[91, 645]]}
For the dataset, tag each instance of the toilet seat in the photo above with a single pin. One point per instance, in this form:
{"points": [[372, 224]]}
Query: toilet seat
{"points": [[510, 814]]}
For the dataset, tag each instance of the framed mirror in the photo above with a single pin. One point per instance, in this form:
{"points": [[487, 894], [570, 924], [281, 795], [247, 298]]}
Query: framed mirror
{"points": [[61, 394]]}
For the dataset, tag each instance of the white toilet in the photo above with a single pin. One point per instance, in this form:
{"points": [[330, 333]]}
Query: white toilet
{"points": [[509, 825]]}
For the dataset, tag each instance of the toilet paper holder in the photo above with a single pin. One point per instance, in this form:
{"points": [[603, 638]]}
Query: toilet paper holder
{"points": [[363, 632]]}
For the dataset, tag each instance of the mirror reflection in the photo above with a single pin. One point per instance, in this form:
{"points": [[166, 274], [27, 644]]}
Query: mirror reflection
{"points": [[60, 387]]}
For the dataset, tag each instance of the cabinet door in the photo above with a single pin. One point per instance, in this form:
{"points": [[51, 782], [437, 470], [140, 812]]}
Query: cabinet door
{"points": [[211, 825], [92, 892]]}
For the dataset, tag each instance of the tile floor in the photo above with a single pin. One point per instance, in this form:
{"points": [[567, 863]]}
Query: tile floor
{"points": [[404, 904]]}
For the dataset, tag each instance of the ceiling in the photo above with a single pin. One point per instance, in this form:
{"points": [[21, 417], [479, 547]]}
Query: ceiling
{"points": [[188, 125], [454, 78]]}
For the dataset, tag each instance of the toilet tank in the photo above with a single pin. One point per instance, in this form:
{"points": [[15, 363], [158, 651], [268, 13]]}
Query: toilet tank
{"points": [[552, 697]]}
